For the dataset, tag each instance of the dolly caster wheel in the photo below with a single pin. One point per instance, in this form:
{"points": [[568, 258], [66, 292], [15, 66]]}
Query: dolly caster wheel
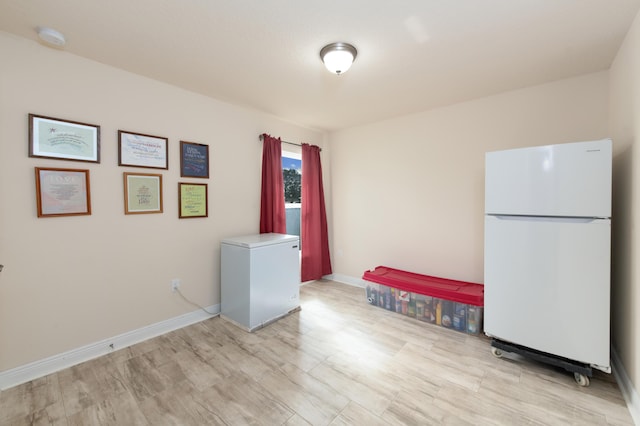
{"points": [[496, 352], [581, 379]]}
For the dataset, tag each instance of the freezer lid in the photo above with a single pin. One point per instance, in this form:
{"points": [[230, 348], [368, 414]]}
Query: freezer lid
{"points": [[259, 240], [571, 179]]}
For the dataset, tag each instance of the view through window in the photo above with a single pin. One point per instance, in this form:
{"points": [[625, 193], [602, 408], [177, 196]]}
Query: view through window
{"points": [[292, 174]]}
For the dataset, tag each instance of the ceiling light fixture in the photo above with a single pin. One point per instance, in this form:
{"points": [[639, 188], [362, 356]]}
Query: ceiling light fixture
{"points": [[51, 36], [338, 57]]}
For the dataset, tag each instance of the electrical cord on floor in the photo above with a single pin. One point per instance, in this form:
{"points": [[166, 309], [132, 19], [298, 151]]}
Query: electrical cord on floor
{"points": [[195, 304]]}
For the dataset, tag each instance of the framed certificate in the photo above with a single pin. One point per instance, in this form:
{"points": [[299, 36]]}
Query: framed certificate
{"points": [[62, 192], [194, 160], [193, 201], [138, 150], [63, 139], [142, 193]]}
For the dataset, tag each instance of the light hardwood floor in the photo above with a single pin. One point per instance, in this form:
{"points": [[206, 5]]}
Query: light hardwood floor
{"points": [[338, 361]]}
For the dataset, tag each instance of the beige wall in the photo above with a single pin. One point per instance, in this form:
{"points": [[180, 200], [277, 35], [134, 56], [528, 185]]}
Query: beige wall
{"points": [[625, 129], [406, 192], [72, 281], [409, 192]]}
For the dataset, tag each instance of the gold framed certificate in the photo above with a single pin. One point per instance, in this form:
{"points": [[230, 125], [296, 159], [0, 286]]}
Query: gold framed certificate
{"points": [[62, 192], [193, 200], [142, 193]]}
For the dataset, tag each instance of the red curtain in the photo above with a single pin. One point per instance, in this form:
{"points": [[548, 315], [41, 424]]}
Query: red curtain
{"points": [[272, 213], [314, 237]]}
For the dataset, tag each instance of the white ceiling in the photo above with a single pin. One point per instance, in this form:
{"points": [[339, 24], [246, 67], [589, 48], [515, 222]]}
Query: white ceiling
{"points": [[412, 54]]}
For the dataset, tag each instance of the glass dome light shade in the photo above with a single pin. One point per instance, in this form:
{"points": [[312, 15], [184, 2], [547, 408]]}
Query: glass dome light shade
{"points": [[338, 57]]}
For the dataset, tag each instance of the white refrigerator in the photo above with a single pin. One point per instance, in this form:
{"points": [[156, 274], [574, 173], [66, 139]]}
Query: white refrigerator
{"points": [[547, 250], [260, 278]]}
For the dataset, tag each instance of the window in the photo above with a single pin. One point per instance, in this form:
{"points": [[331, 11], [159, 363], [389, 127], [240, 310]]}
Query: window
{"points": [[292, 174]]}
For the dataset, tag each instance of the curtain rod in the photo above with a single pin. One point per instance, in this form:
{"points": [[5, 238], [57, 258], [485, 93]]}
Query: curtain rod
{"points": [[261, 137]]}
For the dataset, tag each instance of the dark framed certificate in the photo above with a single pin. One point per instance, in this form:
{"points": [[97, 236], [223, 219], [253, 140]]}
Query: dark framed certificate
{"points": [[63, 139], [194, 160], [138, 150]]}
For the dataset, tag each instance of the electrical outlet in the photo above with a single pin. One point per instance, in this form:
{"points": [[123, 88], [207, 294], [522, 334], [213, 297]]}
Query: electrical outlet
{"points": [[175, 284]]}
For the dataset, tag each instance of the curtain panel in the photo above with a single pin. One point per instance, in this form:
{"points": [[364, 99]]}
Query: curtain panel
{"points": [[316, 260], [272, 212]]}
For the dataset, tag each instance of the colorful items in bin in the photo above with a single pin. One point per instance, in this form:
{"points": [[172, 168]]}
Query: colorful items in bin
{"points": [[460, 306], [459, 316], [425, 308], [391, 299], [474, 319]]}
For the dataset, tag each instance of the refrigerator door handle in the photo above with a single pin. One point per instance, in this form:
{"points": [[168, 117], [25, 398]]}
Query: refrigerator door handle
{"points": [[549, 218]]}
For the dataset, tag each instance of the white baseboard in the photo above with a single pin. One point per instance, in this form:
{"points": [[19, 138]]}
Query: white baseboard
{"points": [[43, 367], [345, 279], [626, 387]]}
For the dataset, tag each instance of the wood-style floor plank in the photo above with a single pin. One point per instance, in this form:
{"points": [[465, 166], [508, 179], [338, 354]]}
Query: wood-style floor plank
{"points": [[338, 361], [313, 400], [33, 402]]}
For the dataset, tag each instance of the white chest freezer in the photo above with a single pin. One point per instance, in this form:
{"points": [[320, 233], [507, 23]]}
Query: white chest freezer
{"points": [[260, 278]]}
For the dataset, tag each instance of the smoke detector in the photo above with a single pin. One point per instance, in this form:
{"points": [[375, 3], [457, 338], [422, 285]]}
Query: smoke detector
{"points": [[51, 36]]}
